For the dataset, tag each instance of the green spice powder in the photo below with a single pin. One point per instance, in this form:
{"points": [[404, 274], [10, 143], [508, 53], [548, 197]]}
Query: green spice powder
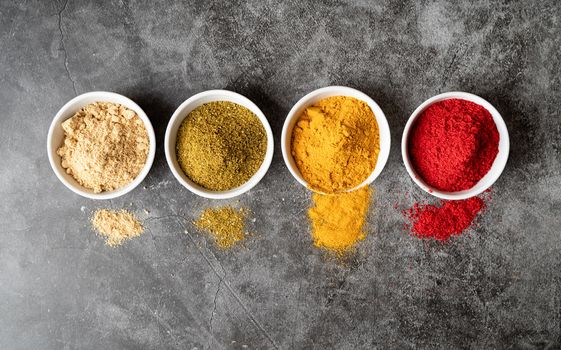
{"points": [[220, 145]]}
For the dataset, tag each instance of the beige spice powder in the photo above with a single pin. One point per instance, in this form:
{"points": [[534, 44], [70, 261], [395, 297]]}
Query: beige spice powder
{"points": [[116, 226], [105, 146]]}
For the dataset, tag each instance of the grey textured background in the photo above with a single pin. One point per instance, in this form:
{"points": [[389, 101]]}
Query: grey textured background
{"points": [[498, 286]]}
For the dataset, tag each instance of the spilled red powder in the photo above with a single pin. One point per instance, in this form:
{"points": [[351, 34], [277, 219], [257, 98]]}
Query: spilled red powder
{"points": [[443, 221], [453, 144]]}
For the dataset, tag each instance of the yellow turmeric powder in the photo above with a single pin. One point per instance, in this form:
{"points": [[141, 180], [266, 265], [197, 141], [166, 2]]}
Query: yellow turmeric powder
{"points": [[335, 144], [337, 220]]}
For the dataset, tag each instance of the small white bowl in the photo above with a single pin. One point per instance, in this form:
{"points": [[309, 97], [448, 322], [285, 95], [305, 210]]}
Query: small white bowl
{"points": [[55, 139], [171, 137], [318, 95], [497, 167]]}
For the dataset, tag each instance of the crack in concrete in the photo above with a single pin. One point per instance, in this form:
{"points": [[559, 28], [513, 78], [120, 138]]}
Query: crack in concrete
{"points": [[298, 320], [214, 309], [63, 47], [163, 217], [225, 282], [447, 70]]}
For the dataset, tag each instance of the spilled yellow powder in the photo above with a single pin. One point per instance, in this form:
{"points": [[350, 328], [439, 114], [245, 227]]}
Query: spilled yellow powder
{"points": [[226, 225], [337, 220], [116, 226], [336, 143]]}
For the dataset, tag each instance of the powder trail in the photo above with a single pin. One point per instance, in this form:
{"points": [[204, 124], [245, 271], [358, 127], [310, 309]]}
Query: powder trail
{"points": [[448, 219]]}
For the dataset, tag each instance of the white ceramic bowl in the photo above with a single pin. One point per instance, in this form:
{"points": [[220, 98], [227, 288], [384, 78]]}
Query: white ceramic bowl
{"points": [[320, 94], [171, 136], [497, 167], [56, 138]]}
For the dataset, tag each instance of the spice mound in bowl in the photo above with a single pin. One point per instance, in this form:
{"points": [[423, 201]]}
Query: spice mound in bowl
{"points": [[220, 145], [105, 146], [453, 144], [335, 144]]}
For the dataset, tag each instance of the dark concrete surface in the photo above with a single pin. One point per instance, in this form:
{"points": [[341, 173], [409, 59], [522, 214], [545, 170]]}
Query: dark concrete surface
{"points": [[497, 286]]}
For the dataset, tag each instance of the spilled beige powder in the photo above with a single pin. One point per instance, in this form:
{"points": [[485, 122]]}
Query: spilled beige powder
{"points": [[116, 226], [105, 146]]}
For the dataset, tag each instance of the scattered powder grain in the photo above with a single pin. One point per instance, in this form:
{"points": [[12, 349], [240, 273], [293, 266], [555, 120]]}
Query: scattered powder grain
{"points": [[226, 225], [116, 226], [221, 145], [337, 220], [105, 146], [441, 222]]}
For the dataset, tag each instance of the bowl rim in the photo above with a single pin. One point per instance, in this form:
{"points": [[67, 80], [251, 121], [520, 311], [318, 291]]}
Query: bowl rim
{"points": [[330, 91], [63, 114], [498, 164], [180, 114]]}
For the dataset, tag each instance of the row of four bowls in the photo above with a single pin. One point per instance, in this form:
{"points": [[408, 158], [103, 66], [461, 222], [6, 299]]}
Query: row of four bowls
{"points": [[56, 137]]}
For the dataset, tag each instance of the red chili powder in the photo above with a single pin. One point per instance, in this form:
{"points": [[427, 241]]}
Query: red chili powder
{"points": [[453, 144], [441, 222]]}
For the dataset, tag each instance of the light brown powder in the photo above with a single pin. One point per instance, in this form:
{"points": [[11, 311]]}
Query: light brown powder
{"points": [[116, 226], [105, 146]]}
